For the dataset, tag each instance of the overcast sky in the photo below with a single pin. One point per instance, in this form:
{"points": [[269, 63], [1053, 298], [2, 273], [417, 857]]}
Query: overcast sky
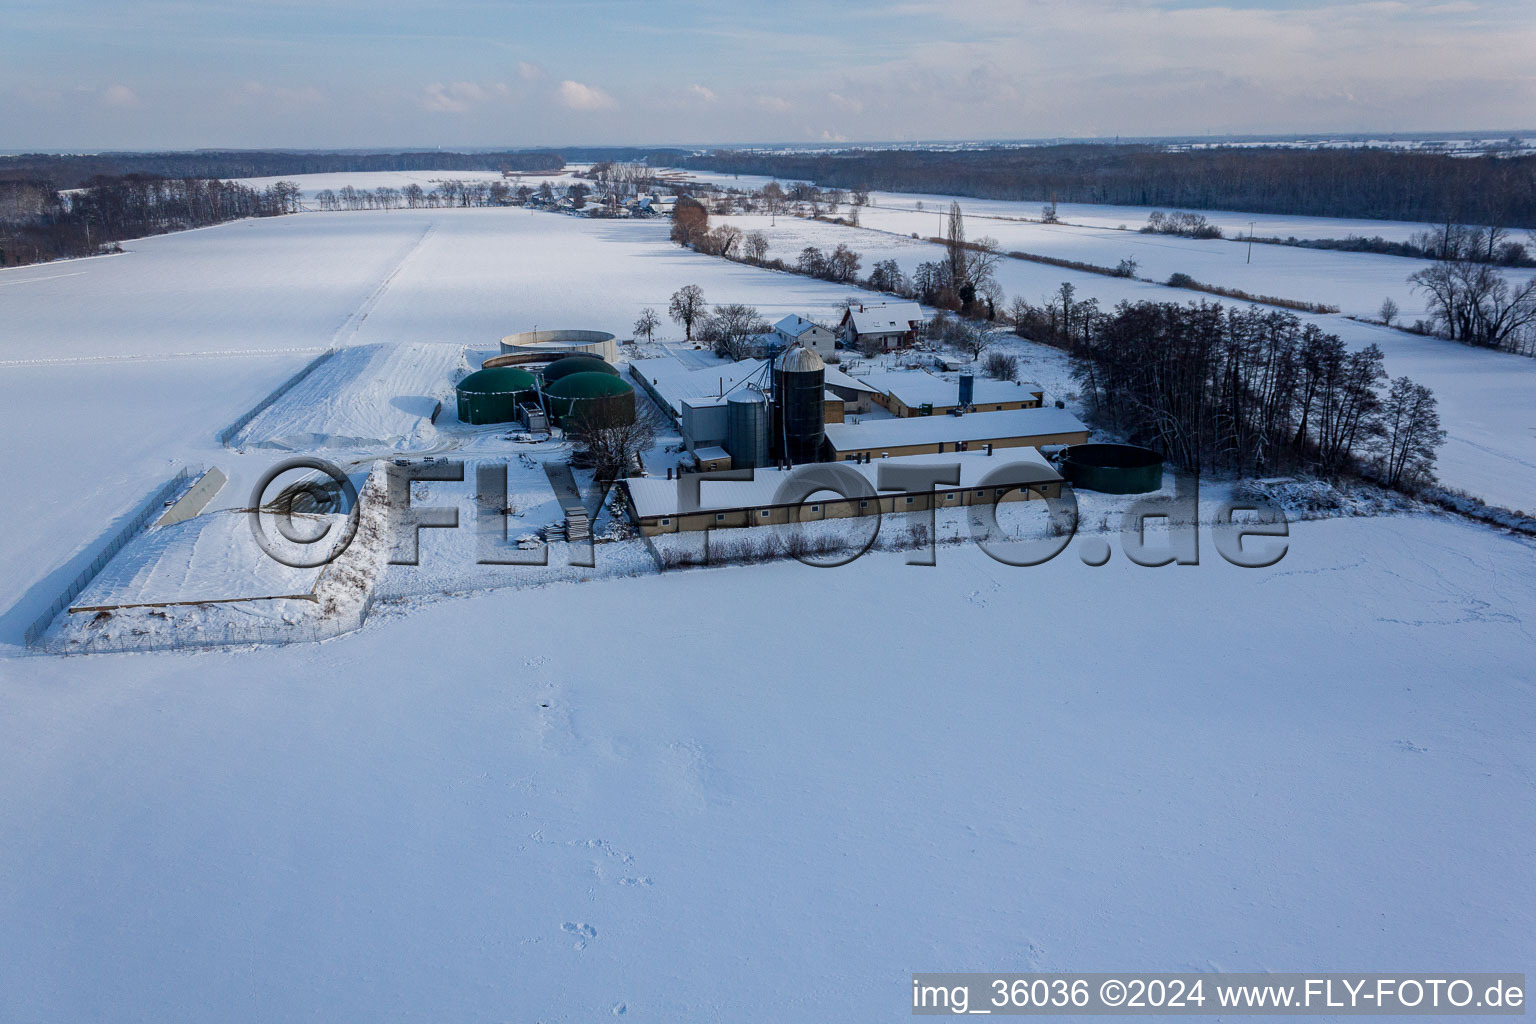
{"points": [[155, 74]]}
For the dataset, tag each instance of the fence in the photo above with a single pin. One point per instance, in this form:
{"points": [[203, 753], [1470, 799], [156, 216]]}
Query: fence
{"points": [[152, 505], [228, 433], [229, 634]]}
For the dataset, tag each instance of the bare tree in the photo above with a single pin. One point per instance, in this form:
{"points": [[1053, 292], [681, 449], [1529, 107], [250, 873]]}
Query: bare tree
{"points": [[755, 246], [1388, 311], [609, 438], [730, 328], [686, 307], [1410, 432], [645, 326], [1002, 366], [690, 222]]}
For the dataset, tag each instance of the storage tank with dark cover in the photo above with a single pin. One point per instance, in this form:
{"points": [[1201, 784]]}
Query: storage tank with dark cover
{"points": [[799, 388], [1113, 468], [580, 362], [492, 396], [579, 393]]}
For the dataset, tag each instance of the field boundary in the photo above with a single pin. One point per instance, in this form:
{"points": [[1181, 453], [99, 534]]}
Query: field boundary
{"points": [[34, 634], [228, 433]]}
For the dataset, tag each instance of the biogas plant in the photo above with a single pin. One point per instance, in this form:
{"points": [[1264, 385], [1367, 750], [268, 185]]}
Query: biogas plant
{"points": [[544, 378]]}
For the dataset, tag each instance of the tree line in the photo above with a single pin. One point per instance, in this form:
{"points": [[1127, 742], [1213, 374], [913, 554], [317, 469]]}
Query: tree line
{"points": [[67, 170], [1248, 391], [38, 223], [1368, 183]]}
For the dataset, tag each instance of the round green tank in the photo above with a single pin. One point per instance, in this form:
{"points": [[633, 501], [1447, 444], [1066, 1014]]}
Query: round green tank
{"points": [[1113, 468], [492, 396], [580, 363], [574, 394]]}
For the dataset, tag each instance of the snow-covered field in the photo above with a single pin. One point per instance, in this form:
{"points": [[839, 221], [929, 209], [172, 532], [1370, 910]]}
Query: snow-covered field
{"points": [[365, 396], [1097, 215], [755, 793]]}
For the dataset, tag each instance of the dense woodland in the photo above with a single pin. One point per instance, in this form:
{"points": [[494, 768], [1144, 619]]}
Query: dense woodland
{"points": [[1243, 390], [1370, 183], [38, 223], [69, 170]]}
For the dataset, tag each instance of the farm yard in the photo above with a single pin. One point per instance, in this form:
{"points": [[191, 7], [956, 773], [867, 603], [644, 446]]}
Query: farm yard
{"points": [[469, 804]]}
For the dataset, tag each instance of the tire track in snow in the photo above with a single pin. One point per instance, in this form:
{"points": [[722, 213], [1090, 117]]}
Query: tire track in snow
{"points": [[353, 323]]}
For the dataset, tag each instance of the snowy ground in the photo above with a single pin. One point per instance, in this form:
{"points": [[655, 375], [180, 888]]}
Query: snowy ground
{"points": [[754, 793], [365, 396], [1097, 215], [477, 811]]}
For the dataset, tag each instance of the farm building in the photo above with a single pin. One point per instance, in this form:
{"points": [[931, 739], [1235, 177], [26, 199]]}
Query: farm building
{"points": [[923, 435], [658, 505], [923, 394], [880, 326], [797, 330]]}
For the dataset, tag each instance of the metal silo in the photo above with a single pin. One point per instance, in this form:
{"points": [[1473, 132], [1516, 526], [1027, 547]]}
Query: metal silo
{"points": [[799, 388], [746, 428]]}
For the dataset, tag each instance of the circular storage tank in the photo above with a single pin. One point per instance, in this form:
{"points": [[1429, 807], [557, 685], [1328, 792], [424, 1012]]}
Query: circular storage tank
{"points": [[583, 363], [746, 428], [799, 426], [562, 343], [492, 396], [579, 392], [1113, 468]]}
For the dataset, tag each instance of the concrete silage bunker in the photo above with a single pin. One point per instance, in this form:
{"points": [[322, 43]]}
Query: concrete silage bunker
{"points": [[1113, 468], [492, 396]]}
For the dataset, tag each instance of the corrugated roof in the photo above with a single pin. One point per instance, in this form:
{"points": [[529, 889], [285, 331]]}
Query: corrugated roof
{"points": [[920, 386], [897, 432], [654, 497]]}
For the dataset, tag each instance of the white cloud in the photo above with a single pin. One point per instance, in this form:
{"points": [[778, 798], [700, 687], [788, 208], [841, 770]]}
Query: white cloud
{"points": [[457, 97], [841, 102], [702, 92], [529, 72], [119, 95], [576, 96], [774, 104]]}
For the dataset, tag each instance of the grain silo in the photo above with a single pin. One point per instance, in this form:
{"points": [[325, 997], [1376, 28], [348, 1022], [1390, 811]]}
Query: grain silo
{"points": [[580, 393], [492, 396], [799, 422], [746, 428]]}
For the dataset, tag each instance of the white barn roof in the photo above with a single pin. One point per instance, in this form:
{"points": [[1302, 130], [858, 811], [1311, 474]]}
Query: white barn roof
{"points": [[654, 497], [919, 387], [897, 432], [885, 318]]}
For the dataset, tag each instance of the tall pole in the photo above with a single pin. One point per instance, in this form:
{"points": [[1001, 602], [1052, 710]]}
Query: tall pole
{"points": [[1250, 241]]}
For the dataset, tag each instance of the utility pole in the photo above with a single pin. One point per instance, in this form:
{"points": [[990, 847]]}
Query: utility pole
{"points": [[1250, 241]]}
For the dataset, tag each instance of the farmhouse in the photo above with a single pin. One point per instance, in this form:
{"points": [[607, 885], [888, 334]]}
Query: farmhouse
{"points": [[881, 326], [658, 505], [924, 435], [796, 329]]}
